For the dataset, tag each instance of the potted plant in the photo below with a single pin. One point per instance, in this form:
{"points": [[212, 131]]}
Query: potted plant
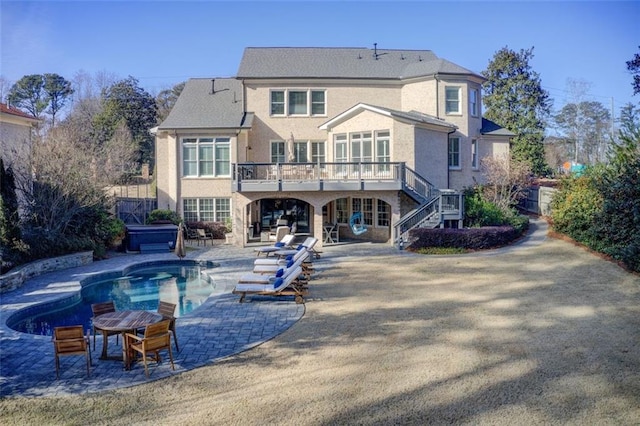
{"points": [[228, 229]]}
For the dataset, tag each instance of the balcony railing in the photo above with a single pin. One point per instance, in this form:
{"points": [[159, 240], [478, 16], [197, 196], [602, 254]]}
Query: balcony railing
{"points": [[265, 177]]}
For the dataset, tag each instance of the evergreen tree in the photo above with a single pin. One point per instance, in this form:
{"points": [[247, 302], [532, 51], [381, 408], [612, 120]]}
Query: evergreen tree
{"points": [[9, 219], [40, 93], [634, 67], [515, 99], [58, 90], [28, 94], [126, 100]]}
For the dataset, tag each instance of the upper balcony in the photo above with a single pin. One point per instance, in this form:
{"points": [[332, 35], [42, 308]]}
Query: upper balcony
{"points": [[270, 177], [298, 177]]}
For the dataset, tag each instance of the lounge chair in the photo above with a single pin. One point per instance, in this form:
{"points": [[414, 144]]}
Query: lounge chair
{"points": [[307, 246], [256, 278], [280, 287], [279, 233], [298, 260], [291, 254], [283, 243]]}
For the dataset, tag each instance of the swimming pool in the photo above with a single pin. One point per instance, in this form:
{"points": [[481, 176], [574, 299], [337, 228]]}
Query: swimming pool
{"points": [[140, 286]]}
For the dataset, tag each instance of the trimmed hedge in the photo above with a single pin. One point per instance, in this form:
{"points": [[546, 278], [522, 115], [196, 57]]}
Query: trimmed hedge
{"points": [[468, 238]]}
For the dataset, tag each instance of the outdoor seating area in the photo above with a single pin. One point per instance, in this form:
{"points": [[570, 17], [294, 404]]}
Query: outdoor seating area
{"points": [[287, 273], [156, 327], [189, 350]]}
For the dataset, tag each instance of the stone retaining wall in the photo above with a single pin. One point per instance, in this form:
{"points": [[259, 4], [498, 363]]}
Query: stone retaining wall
{"points": [[15, 279]]}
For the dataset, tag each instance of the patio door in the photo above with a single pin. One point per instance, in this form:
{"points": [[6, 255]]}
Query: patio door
{"points": [[291, 209]]}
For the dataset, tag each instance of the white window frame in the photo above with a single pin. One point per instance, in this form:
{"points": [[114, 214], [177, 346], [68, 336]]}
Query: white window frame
{"points": [[474, 154], [301, 151], [383, 214], [206, 209], [277, 107], [318, 152], [375, 212], [383, 149], [473, 102], [453, 150], [450, 101], [194, 150], [279, 155], [313, 105]]}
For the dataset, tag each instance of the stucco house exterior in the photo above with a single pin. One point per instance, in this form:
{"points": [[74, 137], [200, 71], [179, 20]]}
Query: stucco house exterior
{"points": [[314, 135], [16, 135]]}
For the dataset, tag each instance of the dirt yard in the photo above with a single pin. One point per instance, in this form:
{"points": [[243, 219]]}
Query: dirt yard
{"points": [[543, 335]]}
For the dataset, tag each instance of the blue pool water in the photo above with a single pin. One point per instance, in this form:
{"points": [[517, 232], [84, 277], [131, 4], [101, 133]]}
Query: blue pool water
{"points": [[139, 288]]}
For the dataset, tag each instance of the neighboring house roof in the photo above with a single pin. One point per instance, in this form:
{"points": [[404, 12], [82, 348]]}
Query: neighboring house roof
{"points": [[491, 128], [209, 103], [350, 63], [6, 109], [412, 117]]}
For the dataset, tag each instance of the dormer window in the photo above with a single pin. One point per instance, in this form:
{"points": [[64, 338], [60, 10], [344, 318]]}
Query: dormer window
{"points": [[295, 102]]}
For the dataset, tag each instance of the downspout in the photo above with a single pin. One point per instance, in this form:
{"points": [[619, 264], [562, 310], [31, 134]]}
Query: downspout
{"points": [[435, 76]]}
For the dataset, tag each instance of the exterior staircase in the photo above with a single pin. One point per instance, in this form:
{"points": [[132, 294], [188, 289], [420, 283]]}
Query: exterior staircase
{"points": [[434, 206]]}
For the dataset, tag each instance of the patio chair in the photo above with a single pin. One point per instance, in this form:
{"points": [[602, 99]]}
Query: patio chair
{"points": [[281, 231], [191, 234], [292, 254], [156, 338], [283, 270], [305, 249], [280, 287], [167, 310], [283, 243], [204, 236], [70, 340], [99, 309]]}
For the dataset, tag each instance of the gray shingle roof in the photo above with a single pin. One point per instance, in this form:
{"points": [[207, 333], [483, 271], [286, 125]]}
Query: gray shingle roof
{"points": [[491, 128], [314, 62], [197, 107], [414, 117]]}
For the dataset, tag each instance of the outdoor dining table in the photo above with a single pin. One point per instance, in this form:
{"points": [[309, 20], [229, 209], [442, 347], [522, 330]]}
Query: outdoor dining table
{"points": [[124, 322]]}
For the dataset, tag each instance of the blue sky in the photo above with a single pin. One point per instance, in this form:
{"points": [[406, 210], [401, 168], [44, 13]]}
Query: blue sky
{"points": [[162, 43]]}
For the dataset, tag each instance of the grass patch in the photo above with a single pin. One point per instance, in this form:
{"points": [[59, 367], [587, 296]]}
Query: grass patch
{"points": [[441, 250]]}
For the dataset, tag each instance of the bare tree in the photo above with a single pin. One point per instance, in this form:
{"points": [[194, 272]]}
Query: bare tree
{"points": [[119, 154], [507, 181], [5, 86]]}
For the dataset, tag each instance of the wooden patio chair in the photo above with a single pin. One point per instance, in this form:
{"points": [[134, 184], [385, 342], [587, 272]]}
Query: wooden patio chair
{"points": [[282, 286], [204, 236], [156, 338], [190, 233], [70, 340], [99, 309], [167, 310]]}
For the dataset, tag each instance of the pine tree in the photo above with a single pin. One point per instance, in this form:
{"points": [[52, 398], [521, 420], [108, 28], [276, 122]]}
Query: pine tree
{"points": [[515, 99]]}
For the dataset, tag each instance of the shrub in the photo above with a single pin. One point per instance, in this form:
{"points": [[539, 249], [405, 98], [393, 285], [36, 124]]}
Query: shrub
{"points": [[217, 229], [163, 216], [479, 212], [469, 238], [576, 206]]}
